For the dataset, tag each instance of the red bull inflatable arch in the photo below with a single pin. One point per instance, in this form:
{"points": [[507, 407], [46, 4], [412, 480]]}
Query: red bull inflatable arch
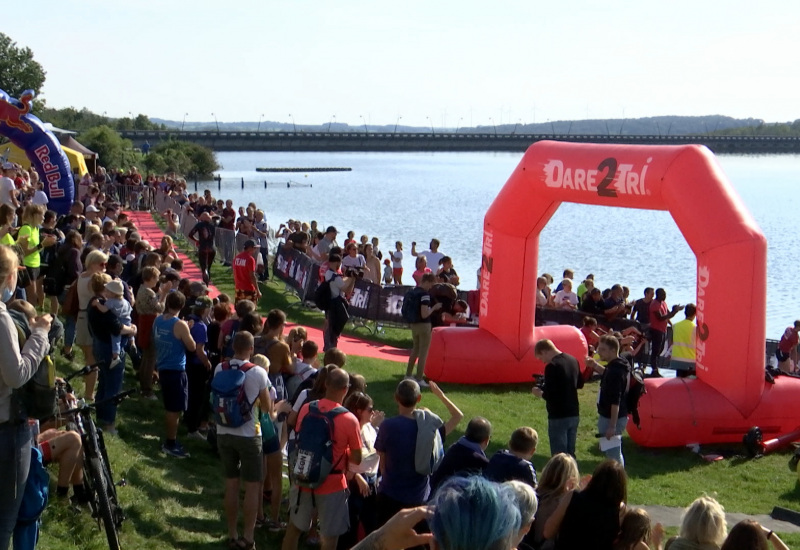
{"points": [[729, 394], [41, 147]]}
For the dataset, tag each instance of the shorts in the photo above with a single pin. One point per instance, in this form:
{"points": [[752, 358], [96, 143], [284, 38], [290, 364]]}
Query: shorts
{"points": [[272, 445], [246, 295], [33, 272], [334, 514], [174, 390], [47, 452], [241, 457], [782, 356], [82, 335], [397, 272]]}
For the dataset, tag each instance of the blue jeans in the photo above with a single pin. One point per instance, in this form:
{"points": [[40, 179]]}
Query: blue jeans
{"points": [[15, 462], [109, 381], [614, 453], [69, 330], [563, 433]]}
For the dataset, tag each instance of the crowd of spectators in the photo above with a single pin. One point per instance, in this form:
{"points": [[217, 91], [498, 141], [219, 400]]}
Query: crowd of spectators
{"points": [[393, 480]]}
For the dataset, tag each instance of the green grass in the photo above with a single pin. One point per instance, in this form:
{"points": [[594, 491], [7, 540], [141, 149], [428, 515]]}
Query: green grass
{"points": [[178, 503]]}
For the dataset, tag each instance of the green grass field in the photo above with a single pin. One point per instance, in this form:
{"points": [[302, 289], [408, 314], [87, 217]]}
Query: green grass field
{"points": [[173, 503]]}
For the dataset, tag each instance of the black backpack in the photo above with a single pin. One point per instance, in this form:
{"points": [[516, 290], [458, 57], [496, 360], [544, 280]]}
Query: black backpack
{"points": [[411, 304], [322, 295], [636, 390], [37, 397]]}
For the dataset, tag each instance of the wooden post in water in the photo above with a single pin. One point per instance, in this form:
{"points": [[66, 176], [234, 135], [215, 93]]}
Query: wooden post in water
{"points": [[242, 183], [265, 184]]}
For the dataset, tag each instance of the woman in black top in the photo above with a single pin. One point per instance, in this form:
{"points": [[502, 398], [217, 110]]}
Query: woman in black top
{"points": [[102, 325], [591, 518]]}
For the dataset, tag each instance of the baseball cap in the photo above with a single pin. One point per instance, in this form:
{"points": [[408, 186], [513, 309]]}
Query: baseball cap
{"points": [[331, 229], [115, 287], [249, 243], [9, 166], [92, 208]]}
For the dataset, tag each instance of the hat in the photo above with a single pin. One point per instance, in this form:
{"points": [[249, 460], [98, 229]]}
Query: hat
{"points": [[92, 208], [115, 287], [331, 229], [9, 166], [197, 288], [249, 243], [203, 302]]}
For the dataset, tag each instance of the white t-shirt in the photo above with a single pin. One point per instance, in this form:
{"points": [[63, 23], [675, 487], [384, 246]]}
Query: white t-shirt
{"points": [[563, 298], [354, 261], [397, 259], [369, 456], [433, 258], [40, 197], [337, 283], [255, 380], [6, 188]]}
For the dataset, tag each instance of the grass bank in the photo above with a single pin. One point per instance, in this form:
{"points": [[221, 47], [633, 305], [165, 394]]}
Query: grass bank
{"points": [[178, 503]]}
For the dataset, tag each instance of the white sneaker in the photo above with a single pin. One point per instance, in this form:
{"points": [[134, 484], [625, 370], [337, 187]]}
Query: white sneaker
{"points": [[423, 384], [115, 362]]}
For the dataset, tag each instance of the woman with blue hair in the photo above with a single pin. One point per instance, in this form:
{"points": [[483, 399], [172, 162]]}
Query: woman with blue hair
{"points": [[466, 514]]}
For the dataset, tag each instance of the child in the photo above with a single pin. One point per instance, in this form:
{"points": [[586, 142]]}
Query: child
{"points": [[122, 310], [636, 532], [387, 272], [397, 263], [515, 463]]}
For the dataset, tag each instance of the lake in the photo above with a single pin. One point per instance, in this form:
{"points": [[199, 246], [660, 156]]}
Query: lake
{"points": [[419, 196]]}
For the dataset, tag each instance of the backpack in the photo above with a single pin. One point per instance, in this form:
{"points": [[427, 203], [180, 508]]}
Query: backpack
{"points": [[411, 304], [34, 501], [227, 344], [322, 295], [37, 396], [311, 461], [636, 389], [429, 449], [228, 399]]}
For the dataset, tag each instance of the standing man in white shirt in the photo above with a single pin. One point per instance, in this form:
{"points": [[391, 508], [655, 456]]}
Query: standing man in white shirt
{"points": [[433, 256], [8, 192]]}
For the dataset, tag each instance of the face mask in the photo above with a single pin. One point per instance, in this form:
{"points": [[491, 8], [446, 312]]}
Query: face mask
{"points": [[7, 294]]}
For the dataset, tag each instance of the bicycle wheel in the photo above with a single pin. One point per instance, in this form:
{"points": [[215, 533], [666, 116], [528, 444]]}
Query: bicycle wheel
{"points": [[96, 471]]}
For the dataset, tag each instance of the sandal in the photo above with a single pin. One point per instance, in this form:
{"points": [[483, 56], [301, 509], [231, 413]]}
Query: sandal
{"points": [[233, 544], [245, 544], [261, 522]]}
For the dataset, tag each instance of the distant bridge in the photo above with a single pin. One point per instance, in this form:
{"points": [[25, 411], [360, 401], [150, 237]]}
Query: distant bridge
{"points": [[444, 141]]}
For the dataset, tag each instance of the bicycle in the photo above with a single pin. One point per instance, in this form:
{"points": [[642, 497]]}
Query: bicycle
{"points": [[98, 478]]}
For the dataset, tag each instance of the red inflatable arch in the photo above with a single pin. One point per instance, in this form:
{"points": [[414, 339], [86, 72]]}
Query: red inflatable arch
{"points": [[729, 393]]}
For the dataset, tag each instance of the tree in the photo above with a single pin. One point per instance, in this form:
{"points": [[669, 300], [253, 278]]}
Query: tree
{"points": [[182, 157], [114, 151], [18, 70]]}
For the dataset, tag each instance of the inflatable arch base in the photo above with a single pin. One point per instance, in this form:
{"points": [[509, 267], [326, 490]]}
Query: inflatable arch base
{"points": [[457, 354], [681, 411]]}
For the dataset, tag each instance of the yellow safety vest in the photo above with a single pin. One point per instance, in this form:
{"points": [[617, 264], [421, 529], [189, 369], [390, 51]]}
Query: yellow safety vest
{"points": [[683, 340]]}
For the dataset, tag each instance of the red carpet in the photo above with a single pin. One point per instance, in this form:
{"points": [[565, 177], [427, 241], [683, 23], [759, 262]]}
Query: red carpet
{"points": [[150, 232]]}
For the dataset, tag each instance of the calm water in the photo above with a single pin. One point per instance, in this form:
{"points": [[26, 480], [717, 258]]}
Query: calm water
{"points": [[417, 196]]}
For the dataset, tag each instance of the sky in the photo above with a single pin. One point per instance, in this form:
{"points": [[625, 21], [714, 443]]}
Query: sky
{"points": [[441, 63]]}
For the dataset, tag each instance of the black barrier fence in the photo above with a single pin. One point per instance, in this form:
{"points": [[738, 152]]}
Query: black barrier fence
{"points": [[369, 301]]}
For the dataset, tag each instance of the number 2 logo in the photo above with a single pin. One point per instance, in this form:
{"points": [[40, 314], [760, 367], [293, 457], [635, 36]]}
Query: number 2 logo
{"points": [[603, 190]]}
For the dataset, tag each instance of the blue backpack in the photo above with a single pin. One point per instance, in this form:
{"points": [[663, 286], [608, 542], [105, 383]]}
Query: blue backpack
{"points": [[228, 399], [311, 460], [34, 501]]}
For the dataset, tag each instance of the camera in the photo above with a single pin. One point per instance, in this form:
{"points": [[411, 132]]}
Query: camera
{"points": [[538, 381]]}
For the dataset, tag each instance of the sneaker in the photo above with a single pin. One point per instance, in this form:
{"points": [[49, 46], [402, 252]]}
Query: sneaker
{"points": [[177, 451], [423, 384], [275, 526], [110, 430], [114, 363], [197, 435]]}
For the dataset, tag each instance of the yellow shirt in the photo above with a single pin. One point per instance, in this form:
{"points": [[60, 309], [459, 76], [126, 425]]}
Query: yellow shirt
{"points": [[683, 340], [33, 259], [7, 240]]}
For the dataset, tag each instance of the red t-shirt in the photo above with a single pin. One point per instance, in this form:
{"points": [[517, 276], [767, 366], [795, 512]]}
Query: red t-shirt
{"points": [[655, 322], [346, 436], [244, 265], [789, 340]]}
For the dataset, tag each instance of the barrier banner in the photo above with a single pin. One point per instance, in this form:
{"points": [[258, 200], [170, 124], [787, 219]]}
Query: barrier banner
{"points": [[365, 300], [390, 303], [295, 269]]}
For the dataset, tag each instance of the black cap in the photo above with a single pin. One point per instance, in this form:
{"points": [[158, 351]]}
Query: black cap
{"points": [[331, 229], [249, 243]]}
